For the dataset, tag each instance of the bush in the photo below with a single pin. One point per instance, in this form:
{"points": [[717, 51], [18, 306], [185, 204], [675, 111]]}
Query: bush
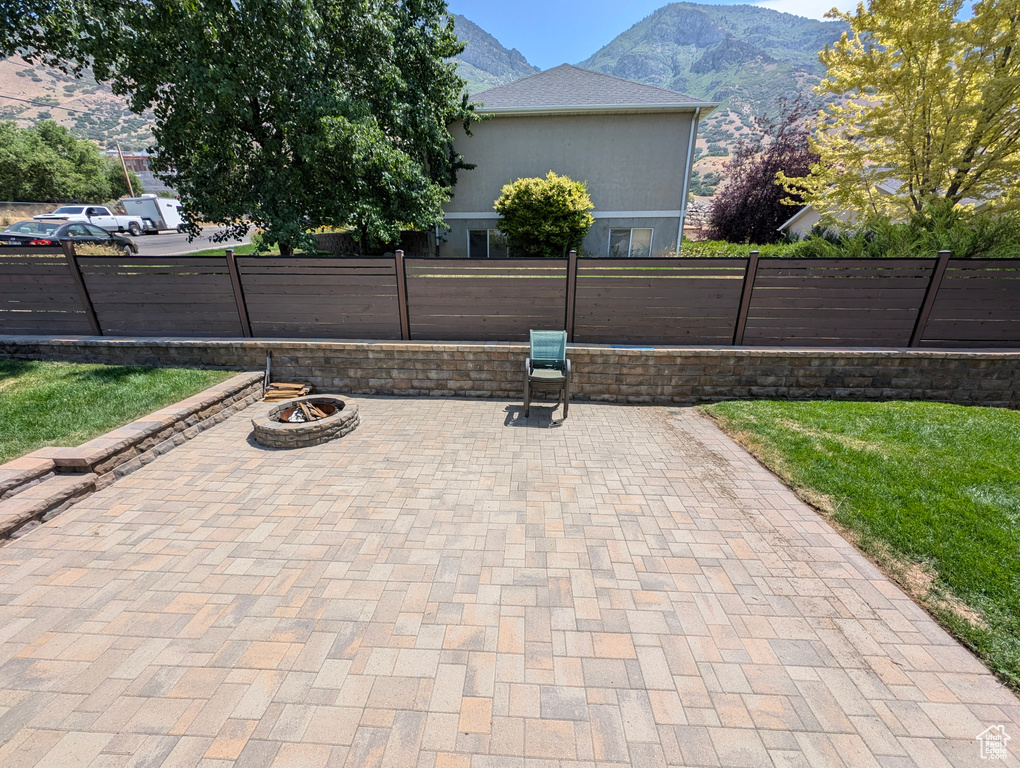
{"points": [[710, 249], [545, 217], [940, 227]]}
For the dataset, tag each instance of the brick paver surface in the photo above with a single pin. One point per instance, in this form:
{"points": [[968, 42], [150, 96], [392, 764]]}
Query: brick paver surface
{"points": [[450, 587]]}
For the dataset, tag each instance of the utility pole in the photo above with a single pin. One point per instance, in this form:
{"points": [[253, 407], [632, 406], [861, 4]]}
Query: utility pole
{"points": [[123, 166]]}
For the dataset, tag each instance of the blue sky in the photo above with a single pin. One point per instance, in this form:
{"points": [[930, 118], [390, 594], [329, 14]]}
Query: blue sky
{"points": [[552, 32]]}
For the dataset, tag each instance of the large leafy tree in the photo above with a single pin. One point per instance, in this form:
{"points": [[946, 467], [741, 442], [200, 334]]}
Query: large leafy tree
{"points": [[926, 107], [46, 164], [288, 115], [752, 204]]}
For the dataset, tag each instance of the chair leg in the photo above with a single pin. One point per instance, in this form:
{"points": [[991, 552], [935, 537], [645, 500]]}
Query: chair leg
{"points": [[527, 391], [566, 391]]}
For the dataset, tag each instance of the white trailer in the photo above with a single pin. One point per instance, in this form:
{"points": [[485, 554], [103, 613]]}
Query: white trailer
{"points": [[157, 213]]}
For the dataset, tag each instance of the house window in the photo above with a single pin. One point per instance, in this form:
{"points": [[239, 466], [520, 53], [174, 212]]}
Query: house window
{"points": [[636, 243], [486, 244]]}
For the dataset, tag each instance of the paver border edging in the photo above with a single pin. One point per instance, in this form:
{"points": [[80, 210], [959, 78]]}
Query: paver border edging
{"points": [[36, 487]]}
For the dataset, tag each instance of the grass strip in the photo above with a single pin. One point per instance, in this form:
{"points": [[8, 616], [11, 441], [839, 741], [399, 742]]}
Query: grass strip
{"points": [[929, 491], [239, 250], [50, 403]]}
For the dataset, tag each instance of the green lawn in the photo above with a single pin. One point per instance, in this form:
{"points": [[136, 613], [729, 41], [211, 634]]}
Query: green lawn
{"points": [[249, 249], [45, 403], [239, 250], [930, 491]]}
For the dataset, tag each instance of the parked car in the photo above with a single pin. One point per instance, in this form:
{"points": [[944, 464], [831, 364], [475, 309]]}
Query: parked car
{"points": [[50, 233], [98, 215]]}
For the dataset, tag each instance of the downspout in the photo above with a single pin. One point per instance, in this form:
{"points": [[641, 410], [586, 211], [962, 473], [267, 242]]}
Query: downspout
{"points": [[687, 177]]}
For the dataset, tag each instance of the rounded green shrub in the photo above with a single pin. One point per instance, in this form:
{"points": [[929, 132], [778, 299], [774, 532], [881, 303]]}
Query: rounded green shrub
{"points": [[545, 217]]}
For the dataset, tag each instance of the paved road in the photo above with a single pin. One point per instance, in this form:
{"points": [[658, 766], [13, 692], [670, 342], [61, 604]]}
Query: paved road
{"points": [[453, 586], [173, 243]]}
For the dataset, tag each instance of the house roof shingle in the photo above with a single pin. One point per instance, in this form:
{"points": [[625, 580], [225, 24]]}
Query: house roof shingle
{"points": [[572, 88]]}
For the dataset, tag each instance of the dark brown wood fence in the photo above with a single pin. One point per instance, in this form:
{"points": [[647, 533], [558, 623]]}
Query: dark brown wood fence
{"points": [[39, 295], [161, 296], [749, 301], [486, 300], [657, 301], [321, 298], [978, 305], [843, 302]]}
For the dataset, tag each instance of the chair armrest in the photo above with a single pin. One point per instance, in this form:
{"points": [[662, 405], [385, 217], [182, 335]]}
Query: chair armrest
{"points": [[566, 369], [527, 366]]}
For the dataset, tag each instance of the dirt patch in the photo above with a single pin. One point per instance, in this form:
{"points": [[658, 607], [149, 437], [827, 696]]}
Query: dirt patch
{"points": [[920, 581]]}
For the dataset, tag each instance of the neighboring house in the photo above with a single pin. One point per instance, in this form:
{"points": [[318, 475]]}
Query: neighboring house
{"points": [[632, 143], [803, 221]]}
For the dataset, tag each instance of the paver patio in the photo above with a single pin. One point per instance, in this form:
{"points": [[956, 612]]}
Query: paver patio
{"points": [[447, 587]]}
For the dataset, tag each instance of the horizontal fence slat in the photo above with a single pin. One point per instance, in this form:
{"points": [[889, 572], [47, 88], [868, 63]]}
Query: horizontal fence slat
{"points": [[299, 284]]}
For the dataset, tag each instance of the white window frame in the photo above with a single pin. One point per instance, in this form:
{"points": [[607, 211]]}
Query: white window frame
{"points": [[630, 240], [488, 242]]}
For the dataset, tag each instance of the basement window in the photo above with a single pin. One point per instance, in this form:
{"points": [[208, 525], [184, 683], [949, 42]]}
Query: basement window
{"points": [[486, 244], [633, 243]]}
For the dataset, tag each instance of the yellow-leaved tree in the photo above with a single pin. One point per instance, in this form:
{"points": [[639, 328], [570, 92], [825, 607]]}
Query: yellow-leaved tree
{"points": [[926, 110]]}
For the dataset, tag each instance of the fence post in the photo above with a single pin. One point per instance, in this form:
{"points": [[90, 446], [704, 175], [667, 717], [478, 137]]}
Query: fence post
{"points": [[745, 298], [405, 322], [83, 291], [568, 321], [235, 283], [929, 298]]}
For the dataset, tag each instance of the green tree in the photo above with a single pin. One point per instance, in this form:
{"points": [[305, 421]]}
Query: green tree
{"points": [[285, 115], [924, 100], [545, 217], [118, 185], [47, 164]]}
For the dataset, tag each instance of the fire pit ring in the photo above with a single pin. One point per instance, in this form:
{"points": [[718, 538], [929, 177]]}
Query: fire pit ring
{"points": [[272, 432]]}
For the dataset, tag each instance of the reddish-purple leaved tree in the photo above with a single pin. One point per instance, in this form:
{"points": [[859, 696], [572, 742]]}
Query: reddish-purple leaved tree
{"points": [[749, 207]]}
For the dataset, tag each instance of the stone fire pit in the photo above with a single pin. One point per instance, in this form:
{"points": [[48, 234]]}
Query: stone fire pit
{"points": [[273, 431]]}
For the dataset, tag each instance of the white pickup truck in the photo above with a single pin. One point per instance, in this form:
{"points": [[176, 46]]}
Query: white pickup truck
{"points": [[99, 215]]}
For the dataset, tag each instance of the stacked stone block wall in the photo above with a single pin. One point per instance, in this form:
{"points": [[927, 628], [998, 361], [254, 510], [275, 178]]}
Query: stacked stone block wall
{"points": [[624, 375]]}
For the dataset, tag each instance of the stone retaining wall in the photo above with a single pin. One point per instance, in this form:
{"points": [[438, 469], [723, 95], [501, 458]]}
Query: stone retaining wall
{"points": [[604, 373]]}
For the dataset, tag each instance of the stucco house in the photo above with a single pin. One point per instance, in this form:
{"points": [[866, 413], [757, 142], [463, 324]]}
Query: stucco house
{"points": [[632, 143]]}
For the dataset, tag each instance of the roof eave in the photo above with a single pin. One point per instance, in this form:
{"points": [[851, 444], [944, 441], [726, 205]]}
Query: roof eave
{"points": [[793, 218], [705, 108]]}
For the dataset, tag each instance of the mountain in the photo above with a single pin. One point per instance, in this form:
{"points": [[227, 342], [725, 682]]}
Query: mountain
{"points": [[743, 56], [90, 110], [485, 63]]}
